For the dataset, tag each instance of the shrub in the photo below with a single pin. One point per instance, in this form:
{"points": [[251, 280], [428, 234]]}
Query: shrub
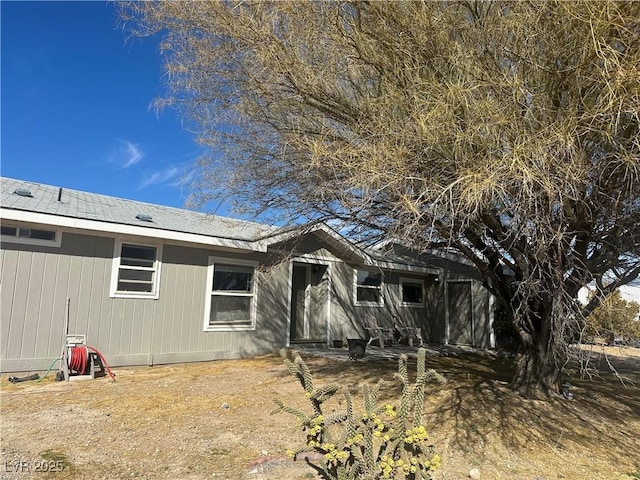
{"points": [[614, 318], [382, 441]]}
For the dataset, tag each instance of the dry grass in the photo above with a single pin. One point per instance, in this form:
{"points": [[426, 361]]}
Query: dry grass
{"points": [[170, 421]]}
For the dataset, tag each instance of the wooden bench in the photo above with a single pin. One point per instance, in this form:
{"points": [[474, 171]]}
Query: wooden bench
{"points": [[376, 332]]}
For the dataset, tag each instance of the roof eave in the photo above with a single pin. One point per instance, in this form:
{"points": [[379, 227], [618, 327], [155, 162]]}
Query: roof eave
{"points": [[126, 229], [402, 267]]}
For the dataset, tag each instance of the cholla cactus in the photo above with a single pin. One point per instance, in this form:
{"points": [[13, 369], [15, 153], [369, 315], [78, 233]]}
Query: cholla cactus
{"points": [[381, 442]]}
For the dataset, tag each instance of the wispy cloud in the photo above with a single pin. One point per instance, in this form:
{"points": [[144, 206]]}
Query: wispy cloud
{"points": [[185, 178], [133, 154], [126, 154], [160, 176]]}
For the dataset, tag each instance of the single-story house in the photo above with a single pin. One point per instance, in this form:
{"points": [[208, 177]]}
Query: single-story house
{"points": [[149, 284]]}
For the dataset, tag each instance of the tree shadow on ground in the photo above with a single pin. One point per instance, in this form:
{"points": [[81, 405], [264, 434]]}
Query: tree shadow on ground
{"points": [[476, 407]]}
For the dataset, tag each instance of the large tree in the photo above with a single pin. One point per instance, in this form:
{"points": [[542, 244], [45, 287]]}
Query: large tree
{"points": [[508, 132]]}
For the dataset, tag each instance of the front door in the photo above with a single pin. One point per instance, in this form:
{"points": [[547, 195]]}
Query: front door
{"points": [[309, 298], [460, 313]]}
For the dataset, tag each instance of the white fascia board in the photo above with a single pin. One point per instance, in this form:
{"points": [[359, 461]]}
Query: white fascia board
{"points": [[401, 267], [312, 258], [133, 230]]}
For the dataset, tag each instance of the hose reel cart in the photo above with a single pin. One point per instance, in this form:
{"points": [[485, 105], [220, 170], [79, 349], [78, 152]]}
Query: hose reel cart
{"points": [[80, 362]]}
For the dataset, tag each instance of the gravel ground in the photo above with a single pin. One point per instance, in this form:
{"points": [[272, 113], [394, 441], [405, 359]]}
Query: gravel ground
{"points": [[212, 420]]}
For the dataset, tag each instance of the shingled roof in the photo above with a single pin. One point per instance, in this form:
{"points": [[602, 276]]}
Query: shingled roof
{"points": [[20, 195], [63, 206]]}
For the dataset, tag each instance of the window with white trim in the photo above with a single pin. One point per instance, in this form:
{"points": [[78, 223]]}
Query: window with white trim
{"points": [[368, 287], [230, 303], [136, 270], [31, 236], [412, 292]]}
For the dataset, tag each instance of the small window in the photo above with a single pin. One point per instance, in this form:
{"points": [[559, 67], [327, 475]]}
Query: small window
{"points": [[368, 288], [412, 292], [31, 236], [230, 301], [47, 235], [136, 270]]}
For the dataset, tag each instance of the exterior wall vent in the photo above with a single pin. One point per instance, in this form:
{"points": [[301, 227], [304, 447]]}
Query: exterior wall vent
{"points": [[23, 192], [143, 217]]}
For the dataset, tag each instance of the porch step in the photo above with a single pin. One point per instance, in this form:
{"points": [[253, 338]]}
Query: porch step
{"points": [[309, 343]]}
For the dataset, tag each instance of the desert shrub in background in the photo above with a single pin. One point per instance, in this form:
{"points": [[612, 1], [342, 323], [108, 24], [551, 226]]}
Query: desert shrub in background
{"points": [[379, 441], [615, 320]]}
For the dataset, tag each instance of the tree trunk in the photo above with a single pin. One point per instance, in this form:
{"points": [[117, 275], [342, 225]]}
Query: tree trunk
{"points": [[542, 354], [537, 373]]}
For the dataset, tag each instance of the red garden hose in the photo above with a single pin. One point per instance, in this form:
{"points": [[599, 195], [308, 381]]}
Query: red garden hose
{"points": [[104, 362], [78, 360]]}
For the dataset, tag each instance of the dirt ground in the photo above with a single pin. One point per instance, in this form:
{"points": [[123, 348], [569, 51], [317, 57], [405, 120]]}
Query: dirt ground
{"points": [[212, 421]]}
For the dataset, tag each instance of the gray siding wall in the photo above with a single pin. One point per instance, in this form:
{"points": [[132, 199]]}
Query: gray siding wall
{"points": [[36, 282], [348, 319]]}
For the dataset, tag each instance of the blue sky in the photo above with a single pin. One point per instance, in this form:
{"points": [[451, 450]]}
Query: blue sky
{"points": [[76, 95]]}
